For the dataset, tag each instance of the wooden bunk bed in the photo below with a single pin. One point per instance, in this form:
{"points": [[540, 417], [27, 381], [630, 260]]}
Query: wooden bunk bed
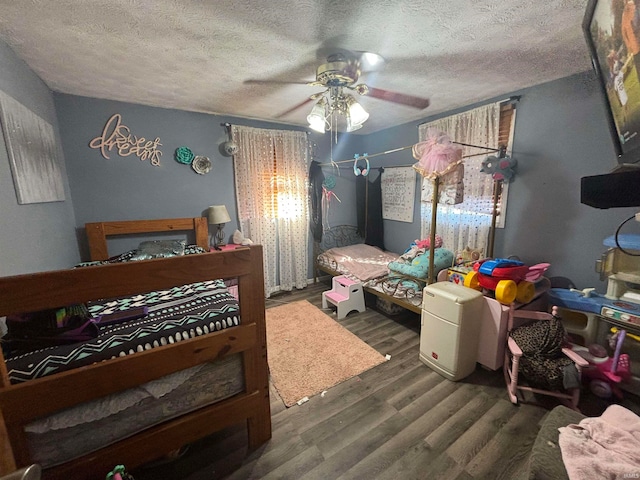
{"points": [[25, 402]]}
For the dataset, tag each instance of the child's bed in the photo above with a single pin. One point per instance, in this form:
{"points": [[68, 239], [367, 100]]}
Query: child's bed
{"points": [[343, 252], [210, 356]]}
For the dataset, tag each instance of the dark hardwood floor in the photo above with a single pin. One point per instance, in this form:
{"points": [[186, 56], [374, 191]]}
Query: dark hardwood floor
{"points": [[399, 420]]}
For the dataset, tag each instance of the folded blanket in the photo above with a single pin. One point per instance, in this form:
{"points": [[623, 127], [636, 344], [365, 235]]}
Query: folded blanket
{"points": [[604, 447]]}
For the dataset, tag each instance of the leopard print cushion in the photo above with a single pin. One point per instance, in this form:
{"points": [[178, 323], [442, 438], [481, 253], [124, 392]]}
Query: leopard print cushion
{"points": [[542, 363]]}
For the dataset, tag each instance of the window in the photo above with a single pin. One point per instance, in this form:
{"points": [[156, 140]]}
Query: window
{"points": [[468, 224], [271, 191]]}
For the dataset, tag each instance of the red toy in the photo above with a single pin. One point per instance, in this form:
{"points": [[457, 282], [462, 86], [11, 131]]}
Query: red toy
{"points": [[511, 280]]}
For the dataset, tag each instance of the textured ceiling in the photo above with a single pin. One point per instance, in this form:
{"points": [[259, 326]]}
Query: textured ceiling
{"points": [[196, 55]]}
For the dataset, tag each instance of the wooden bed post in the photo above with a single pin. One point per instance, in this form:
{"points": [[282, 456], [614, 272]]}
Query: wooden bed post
{"points": [[434, 216], [494, 216], [97, 241], [7, 460], [256, 369]]}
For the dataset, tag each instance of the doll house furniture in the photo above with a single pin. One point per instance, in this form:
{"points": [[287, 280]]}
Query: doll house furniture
{"points": [[449, 329]]}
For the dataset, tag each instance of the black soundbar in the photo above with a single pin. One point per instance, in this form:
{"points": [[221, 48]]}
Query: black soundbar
{"points": [[616, 189]]}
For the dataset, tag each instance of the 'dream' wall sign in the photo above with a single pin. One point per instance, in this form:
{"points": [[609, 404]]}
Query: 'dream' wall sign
{"points": [[117, 136]]}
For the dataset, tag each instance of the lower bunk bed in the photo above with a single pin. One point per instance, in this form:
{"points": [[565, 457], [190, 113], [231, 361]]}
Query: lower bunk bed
{"points": [[194, 363], [343, 252]]}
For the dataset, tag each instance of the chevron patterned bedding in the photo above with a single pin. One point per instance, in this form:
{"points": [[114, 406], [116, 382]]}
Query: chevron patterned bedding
{"points": [[174, 315]]}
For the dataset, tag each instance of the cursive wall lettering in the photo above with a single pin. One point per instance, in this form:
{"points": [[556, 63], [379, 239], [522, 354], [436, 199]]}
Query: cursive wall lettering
{"points": [[116, 135]]}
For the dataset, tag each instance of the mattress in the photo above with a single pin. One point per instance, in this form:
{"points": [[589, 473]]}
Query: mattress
{"points": [[174, 315], [361, 262], [85, 428]]}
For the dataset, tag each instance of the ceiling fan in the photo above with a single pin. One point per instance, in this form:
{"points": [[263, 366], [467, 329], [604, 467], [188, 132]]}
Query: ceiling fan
{"points": [[337, 75]]}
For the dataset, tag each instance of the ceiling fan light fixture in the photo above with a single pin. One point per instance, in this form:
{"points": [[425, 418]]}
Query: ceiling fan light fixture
{"points": [[357, 114], [317, 117], [351, 127]]}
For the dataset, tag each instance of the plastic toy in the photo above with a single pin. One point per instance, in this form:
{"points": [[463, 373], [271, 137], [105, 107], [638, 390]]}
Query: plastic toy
{"points": [[511, 280], [118, 473], [603, 374], [499, 168]]}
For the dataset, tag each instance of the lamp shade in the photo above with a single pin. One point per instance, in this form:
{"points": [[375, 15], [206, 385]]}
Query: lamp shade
{"points": [[357, 113], [317, 117], [218, 214]]}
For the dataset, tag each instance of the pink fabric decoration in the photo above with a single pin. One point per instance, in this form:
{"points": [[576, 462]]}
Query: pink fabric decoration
{"points": [[436, 153], [425, 243]]}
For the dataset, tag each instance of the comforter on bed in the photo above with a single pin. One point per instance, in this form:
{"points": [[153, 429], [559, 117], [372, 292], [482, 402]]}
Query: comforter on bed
{"points": [[361, 261], [175, 314]]}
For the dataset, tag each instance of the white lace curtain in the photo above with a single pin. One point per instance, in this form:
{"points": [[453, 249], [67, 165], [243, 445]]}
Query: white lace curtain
{"points": [[271, 191], [466, 224]]}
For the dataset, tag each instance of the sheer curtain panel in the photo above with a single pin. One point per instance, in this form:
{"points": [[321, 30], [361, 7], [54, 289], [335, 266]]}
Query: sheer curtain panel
{"points": [[467, 223], [271, 191]]}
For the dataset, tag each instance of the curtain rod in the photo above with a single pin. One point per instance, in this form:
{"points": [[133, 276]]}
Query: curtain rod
{"points": [[411, 146]]}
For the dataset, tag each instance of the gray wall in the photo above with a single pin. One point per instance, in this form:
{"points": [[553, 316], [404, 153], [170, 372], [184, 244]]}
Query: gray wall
{"points": [[561, 135], [126, 188], [38, 236]]}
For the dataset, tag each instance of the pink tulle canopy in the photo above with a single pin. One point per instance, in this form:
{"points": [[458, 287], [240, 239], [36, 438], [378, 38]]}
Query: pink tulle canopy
{"points": [[436, 153]]}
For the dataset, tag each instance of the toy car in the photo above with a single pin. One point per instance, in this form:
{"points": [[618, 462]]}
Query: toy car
{"points": [[511, 280]]}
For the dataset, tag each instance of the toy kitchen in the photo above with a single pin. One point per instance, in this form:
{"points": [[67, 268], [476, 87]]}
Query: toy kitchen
{"points": [[620, 267], [591, 316]]}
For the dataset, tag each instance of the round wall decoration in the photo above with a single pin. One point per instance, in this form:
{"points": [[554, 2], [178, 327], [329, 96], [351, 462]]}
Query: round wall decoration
{"points": [[201, 164], [230, 148], [184, 155]]}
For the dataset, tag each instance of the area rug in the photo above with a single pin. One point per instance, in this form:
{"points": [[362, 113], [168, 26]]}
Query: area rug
{"points": [[309, 352]]}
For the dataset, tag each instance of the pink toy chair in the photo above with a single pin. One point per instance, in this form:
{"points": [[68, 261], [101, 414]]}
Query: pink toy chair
{"points": [[554, 358]]}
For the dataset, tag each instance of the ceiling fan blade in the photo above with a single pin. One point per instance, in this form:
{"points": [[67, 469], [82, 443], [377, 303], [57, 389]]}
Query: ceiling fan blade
{"points": [[402, 98], [276, 82], [295, 107]]}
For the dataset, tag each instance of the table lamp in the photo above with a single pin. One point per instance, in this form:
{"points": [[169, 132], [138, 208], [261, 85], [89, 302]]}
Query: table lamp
{"points": [[218, 215]]}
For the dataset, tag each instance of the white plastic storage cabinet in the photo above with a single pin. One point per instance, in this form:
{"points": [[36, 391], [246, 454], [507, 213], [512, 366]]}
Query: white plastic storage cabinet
{"points": [[450, 327]]}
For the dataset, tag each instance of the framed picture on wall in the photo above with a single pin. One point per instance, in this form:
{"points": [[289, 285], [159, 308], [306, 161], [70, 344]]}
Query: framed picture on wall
{"points": [[33, 153]]}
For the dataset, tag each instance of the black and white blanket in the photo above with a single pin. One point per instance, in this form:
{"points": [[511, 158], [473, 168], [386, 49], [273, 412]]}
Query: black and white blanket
{"points": [[175, 314]]}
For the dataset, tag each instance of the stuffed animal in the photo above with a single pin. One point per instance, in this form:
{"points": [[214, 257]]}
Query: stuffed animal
{"points": [[468, 255], [238, 239], [418, 247], [499, 168]]}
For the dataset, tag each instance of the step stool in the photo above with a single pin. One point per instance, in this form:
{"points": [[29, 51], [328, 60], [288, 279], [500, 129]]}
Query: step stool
{"points": [[345, 294]]}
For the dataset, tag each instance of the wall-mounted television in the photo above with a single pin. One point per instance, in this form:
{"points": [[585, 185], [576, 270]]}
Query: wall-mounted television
{"points": [[612, 31]]}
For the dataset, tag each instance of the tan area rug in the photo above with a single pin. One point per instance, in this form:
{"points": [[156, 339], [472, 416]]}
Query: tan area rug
{"points": [[309, 352]]}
